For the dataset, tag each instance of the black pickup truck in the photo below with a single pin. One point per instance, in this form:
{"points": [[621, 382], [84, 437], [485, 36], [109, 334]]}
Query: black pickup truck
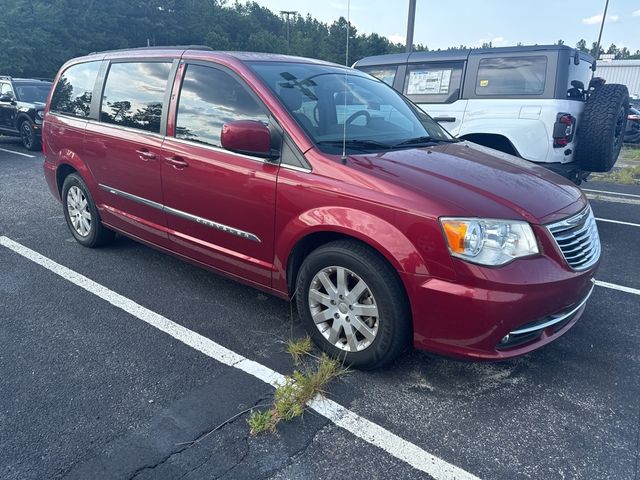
{"points": [[22, 102]]}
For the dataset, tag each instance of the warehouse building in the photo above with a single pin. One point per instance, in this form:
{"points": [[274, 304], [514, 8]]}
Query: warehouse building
{"points": [[626, 72]]}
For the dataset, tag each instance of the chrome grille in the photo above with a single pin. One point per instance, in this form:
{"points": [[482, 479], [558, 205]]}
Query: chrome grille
{"points": [[578, 239]]}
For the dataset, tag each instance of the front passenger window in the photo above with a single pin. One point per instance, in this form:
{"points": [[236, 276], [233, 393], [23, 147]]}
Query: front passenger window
{"points": [[210, 98]]}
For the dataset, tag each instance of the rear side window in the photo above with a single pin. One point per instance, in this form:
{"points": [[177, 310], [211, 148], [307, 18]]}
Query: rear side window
{"points": [[386, 74], [512, 76], [433, 83], [5, 89], [208, 99], [134, 94], [72, 95]]}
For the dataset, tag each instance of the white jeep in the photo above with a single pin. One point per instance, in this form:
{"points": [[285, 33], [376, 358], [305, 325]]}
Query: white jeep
{"points": [[540, 103]]}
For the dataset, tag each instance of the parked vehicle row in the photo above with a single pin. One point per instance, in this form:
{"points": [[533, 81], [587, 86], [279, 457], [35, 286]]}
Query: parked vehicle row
{"points": [[540, 103], [22, 102], [320, 184]]}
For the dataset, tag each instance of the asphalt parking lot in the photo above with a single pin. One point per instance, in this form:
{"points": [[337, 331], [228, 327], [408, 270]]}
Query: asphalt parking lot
{"points": [[90, 390]]}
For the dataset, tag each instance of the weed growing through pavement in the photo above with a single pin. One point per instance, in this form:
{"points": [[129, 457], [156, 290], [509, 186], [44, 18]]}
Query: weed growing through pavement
{"points": [[290, 399]]}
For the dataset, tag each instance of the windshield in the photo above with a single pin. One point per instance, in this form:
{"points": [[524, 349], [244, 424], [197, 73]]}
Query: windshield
{"points": [[32, 92], [327, 105]]}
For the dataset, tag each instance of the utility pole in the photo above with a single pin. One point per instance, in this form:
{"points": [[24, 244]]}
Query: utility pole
{"points": [[288, 13], [604, 18], [410, 24]]}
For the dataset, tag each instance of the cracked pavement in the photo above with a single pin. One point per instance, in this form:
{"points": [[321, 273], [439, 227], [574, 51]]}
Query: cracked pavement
{"points": [[87, 391]]}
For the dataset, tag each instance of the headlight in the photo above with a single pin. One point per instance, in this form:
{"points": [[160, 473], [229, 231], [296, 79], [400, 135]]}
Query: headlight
{"points": [[40, 114], [488, 242]]}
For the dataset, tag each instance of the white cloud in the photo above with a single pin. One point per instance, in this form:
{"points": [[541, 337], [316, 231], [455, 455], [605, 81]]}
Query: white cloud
{"points": [[397, 38], [636, 13], [597, 19], [496, 41]]}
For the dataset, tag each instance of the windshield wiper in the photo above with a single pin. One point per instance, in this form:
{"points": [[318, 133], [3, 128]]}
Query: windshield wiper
{"points": [[358, 144], [425, 140]]}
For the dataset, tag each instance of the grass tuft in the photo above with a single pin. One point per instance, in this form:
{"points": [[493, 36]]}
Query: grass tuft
{"points": [[260, 422], [290, 399], [299, 348]]}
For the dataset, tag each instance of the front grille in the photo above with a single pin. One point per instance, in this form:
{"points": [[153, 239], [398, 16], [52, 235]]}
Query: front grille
{"points": [[578, 239]]}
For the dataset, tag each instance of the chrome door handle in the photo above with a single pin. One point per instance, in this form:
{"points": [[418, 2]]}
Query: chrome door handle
{"points": [[177, 162], [145, 154]]}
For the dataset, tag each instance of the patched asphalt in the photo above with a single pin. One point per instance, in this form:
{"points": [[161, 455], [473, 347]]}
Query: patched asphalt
{"points": [[88, 391]]}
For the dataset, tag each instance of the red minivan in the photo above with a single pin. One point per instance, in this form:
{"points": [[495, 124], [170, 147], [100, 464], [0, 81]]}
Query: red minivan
{"points": [[321, 184]]}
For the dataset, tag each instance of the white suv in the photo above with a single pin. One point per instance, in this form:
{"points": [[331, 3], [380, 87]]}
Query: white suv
{"points": [[537, 102]]}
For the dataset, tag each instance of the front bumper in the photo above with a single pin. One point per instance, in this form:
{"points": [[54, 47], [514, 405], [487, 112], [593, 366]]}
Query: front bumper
{"points": [[499, 313]]}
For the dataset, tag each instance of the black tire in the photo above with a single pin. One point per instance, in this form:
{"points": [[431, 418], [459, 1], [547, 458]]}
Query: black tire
{"points": [[394, 316], [601, 130], [29, 138], [97, 234]]}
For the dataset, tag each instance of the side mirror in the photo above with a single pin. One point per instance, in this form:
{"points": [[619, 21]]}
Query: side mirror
{"points": [[6, 98], [249, 137]]}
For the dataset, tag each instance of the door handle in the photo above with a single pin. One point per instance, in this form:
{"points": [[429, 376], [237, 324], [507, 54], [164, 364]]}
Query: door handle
{"points": [[145, 154], [444, 119], [177, 162]]}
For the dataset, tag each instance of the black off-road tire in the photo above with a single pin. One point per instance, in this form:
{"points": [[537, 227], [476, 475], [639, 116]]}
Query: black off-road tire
{"points": [[98, 234], [601, 130], [395, 327]]}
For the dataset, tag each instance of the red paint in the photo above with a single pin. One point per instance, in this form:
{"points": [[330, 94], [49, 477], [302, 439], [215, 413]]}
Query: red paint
{"points": [[391, 201], [247, 136]]}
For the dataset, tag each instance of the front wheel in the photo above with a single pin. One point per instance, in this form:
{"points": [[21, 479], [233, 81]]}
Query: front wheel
{"points": [[29, 137], [352, 304]]}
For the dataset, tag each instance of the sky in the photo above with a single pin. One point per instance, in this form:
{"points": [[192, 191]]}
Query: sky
{"points": [[441, 24]]}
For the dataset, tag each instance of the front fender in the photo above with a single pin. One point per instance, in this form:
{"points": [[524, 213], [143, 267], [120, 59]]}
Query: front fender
{"points": [[376, 232]]}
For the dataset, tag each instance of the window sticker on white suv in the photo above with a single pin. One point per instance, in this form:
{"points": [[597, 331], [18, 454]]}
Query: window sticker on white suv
{"points": [[429, 82]]}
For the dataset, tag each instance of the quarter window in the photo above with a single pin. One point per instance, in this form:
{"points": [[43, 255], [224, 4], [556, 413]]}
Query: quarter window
{"points": [[434, 83], [134, 94], [72, 95], [386, 74], [210, 98], [512, 76]]}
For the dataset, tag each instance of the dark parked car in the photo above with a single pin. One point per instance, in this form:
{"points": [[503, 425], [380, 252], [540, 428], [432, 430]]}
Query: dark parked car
{"points": [[22, 102], [632, 133], [321, 184]]}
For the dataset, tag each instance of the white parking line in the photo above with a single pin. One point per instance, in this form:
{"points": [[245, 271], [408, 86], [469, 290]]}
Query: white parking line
{"points": [[17, 153], [620, 222], [620, 288], [336, 413], [610, 193], [613, 199]]}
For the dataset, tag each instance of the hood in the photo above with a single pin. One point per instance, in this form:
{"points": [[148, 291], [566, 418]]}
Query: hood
{"points": [[468, 179]]}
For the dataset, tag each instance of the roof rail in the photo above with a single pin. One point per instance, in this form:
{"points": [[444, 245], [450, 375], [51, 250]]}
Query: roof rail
{"points": [[161, 47], [5, 77]]}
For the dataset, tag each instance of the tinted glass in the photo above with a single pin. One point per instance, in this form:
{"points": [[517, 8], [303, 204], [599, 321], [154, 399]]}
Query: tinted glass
{"points": [[134, 94], [386, 74], [72, 95], [511, 76], [33, 92], [210, 98], [330, 106], [433, 83]]}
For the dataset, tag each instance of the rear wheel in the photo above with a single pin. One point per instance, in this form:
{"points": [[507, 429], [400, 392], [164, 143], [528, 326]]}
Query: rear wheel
{"points": [[601, 130], [29, 137], [81, 214], [352, 304]]}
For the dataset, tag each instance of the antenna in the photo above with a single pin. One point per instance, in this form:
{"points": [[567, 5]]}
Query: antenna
{"points": [[346, 76]]}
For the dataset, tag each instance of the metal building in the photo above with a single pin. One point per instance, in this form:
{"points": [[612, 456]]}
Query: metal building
{"points": [[626, 72]]}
